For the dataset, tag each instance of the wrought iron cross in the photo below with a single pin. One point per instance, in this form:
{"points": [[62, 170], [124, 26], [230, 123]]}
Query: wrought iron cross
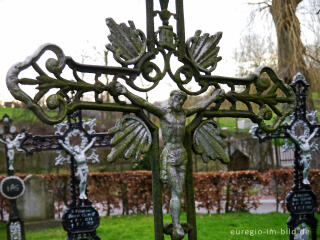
{"points": [[80, 219], [302, 211], [12, 186], [260, 98]]}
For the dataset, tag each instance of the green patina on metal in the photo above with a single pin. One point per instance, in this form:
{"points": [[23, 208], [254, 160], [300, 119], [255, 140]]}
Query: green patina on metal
{"points": [[260, 97]]}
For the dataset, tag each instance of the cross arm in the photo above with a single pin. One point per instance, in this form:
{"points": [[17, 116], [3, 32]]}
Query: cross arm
{"points": [[262, 96], [50, 78], [39, 143]]}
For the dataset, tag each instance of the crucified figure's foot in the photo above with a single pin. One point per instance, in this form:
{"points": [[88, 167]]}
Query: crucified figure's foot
{"points": [[306, 182], [177, 232], [83, 196]]}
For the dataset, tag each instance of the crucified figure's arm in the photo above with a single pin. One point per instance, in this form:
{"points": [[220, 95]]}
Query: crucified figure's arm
{"points": [[118, 89], [89, 145], [65, 147], [4, 142], [312, 135], [17, 142], [217, 93], [293, 137]]}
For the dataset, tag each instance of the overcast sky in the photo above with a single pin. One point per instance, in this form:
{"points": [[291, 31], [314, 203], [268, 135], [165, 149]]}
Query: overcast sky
{"points": [[78, 26]]}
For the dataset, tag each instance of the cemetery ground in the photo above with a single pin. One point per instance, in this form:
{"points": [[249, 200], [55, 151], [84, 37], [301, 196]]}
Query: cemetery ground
{"points": [[237, 226]]}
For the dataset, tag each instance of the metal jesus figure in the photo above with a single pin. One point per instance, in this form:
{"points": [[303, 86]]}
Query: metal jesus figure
{"points": [[174, 155], [80, 157], [305, 145], [11, 145]]}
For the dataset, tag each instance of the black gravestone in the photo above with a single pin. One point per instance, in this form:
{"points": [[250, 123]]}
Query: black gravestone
{"points": [[81, 219], [12, 187], [301, 202]]}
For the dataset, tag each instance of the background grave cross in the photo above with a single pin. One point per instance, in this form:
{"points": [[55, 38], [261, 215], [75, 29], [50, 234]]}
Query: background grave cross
{"points": [[12, 186], [80, 219], [301, 128]]}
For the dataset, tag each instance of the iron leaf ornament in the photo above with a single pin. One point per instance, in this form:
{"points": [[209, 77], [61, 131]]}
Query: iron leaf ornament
{"points": [[130, 138], [203, 50], [128, 44], [208, 141]]}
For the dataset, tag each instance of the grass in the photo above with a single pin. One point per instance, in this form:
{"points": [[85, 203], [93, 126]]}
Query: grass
{"points": [[244, 226], [22, 115], [25, 115], [19, 114]]}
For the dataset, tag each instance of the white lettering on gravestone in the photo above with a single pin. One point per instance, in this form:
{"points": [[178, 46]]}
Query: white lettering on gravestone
{"points": [[15, 231], [12, 187]]}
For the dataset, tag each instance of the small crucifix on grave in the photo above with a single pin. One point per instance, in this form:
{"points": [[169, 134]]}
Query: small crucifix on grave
{"points": [[306, 144], [11, 140]]}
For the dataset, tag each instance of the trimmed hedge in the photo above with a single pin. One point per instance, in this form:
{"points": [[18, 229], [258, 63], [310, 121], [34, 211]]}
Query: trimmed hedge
{"points": [[214, 191]]}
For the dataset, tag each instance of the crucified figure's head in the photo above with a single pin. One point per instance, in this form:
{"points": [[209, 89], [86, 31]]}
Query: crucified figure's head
{"points": [[177, 99]]}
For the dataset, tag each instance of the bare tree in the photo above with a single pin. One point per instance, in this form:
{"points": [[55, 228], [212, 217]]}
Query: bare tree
{"points": [[254, 51], [292, 55], [290, 49]]}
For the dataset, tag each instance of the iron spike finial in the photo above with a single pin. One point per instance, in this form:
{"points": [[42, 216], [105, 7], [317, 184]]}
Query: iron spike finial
{"points": [[299, 77], [164, 4]]}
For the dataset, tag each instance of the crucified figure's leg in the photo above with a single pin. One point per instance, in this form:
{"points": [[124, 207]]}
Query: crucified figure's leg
{"points": [[10, 155], [306, 166], [83, 174], [176, 181]]}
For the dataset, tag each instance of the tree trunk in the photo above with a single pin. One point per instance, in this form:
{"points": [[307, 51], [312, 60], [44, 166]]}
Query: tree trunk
{"points": [[290, 47]]}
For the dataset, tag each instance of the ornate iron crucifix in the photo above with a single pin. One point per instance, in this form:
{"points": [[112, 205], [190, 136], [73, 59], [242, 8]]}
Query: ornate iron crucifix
{"points": [[260, 97], [73, 140], [12, 186], [301, 128]]}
